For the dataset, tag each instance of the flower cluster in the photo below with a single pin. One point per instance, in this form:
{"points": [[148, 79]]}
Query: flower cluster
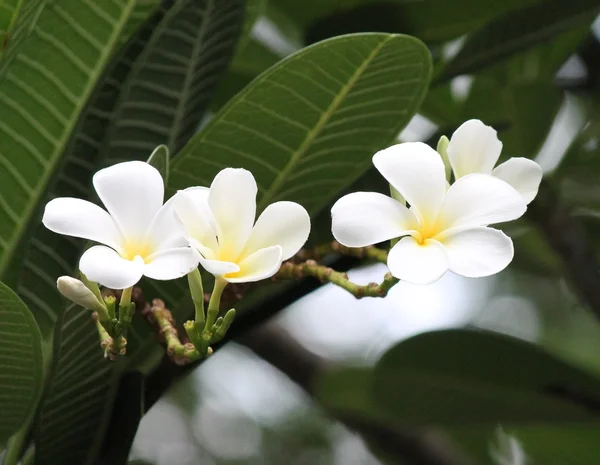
{"points": [[444, 227], [144, 237]]}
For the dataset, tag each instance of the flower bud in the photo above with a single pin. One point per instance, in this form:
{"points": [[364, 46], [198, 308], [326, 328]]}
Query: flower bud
{"points": [[442, 149], [77, 292]]}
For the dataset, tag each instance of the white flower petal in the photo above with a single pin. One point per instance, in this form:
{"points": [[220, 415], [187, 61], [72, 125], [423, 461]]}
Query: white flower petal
{"points": [[478, 252], [262, 264], [473, 148], [416, 171], [79, 218], [107, 267], [171, 263], [166, 231], [418, 263], [132, 192], [217, 267], [282, 223], [480, 200], [523, 174], [366, 218], [191, 207], [232, 200]]}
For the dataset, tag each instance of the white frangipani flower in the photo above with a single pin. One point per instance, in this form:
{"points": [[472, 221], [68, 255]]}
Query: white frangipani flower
{"points": [[444, 228], [219, 223], [141, 236], [475, 148]]}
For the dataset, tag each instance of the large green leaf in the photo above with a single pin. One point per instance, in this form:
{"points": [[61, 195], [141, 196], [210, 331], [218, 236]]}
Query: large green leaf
{"points": [[49, 255], [78, 398], [21, 367], [9, 10], [308, 126], [463, 377], [170, 85], [57, 55], [519, 30]]}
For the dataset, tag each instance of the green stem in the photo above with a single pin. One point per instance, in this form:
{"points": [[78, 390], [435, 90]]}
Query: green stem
{"points": [[214, 303], [325, 274], [197, 293], [14, 447], [125, 298], [320, 251]]}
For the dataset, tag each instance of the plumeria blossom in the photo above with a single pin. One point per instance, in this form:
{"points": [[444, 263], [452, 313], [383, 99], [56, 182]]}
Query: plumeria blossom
{"points": [[78, 293], [444, 228], [475, 148], [141, 236], [219, 223]]}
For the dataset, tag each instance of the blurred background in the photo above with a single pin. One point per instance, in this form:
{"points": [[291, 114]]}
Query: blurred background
{"points": [[237, 408]]}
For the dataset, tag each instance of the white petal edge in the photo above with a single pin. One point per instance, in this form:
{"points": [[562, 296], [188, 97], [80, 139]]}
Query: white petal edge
{"points": [[218, 267], [232, 200], [480, 200], [80, 218], [165, 230], [523, 174], [105, 266], [260, 265], [286, 224], [132, 192], [417, 263], [366, 218], [417, 172], [474, 148], [192, 210], [171, 263], [478, 252]]}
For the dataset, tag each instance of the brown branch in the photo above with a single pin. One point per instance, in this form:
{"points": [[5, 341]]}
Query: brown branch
{"points": [[568, 238], [402, 444], [365, 253]]}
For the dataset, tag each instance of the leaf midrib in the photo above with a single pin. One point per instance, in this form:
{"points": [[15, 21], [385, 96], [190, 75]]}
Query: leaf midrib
{"points": [[189, 74], [323, 120], [63, 140]]}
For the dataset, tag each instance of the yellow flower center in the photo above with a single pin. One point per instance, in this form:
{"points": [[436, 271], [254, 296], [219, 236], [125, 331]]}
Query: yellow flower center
{"points": [[135, 249]]}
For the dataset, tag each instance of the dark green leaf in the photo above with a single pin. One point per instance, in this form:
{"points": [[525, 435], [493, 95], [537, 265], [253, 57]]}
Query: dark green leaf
{"points": [[309, 125], [21, 367], [462, 377], [61, 48], [160, 160], [78, 398], [517, 31], [171, 83]]}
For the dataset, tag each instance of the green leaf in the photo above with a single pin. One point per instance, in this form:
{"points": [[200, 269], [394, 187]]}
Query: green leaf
{"points": [[62, 49], [9, 9], [462, 377], [49, 255], [171, 83], [79, 393], [142, 11], [308, 126], [517, 31], [160, 160], [21, 367]]}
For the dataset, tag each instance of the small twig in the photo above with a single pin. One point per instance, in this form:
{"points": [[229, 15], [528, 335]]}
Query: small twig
{"points": [[323, 273], [320, 251], [162, 319]]}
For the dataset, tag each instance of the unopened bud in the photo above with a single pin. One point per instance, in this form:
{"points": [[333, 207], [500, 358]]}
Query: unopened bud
{"points": [[78, 293]]}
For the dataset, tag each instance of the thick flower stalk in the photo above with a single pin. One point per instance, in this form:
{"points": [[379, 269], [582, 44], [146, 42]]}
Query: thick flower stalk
{"points": [[445, 228], [140, 235], [219, 224], [475, 148]]}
